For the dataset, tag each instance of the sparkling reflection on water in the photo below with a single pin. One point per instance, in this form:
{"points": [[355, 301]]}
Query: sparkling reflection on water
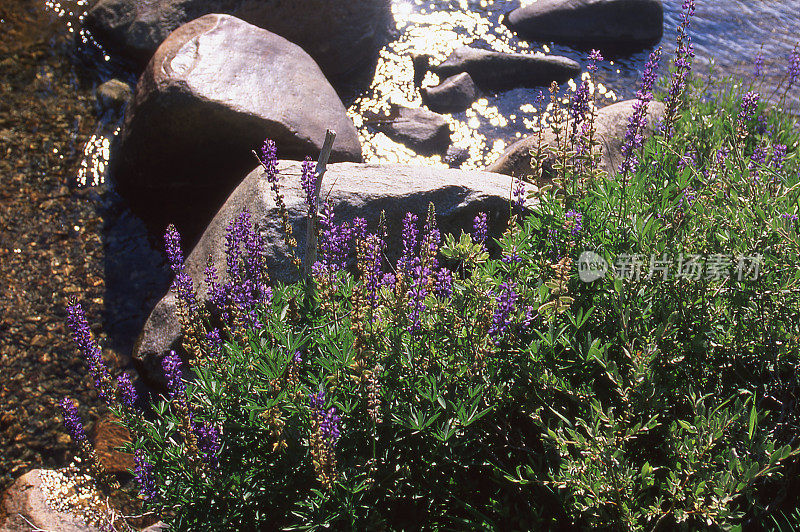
{"points": [[728, 33]]}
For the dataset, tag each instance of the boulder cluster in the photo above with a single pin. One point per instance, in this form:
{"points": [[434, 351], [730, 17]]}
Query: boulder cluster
{"points": [[217, 77]]}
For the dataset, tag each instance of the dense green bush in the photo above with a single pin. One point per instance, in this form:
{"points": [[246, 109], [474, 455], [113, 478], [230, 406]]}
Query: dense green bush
{"points": [[459, 390]]}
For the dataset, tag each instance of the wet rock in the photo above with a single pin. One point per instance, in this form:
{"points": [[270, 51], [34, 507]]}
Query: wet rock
{"points": [[421, 63], [215, 89], [497, 71], [456, 156], [611, 123], [26, 504], [358, 190], [342, 37], [591, 23], [113, 96], [455, 94], [424, 132]]}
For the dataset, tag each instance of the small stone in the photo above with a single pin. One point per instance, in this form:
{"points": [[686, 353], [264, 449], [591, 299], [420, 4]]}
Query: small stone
{"points": [[455, 94], [423, 131], [114, 95]]}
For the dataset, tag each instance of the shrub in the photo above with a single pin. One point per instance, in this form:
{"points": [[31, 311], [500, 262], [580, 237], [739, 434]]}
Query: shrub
{"points": [[455, 389]]}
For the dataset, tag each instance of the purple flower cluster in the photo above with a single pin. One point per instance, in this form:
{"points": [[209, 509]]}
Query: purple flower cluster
{"points": [[594, 57], [574, 221], [182, 285], [637, 122], [511, 257], [269, 158], [684, 54], [758, 65], [308, 180], [247, 286], [143, 472], [790, 217], [748, 108], [410, 239], [127, 392], [480, 229], [506, 303], [72, 421], [172, 370], [84, 340], [328, 420], [687, 199], [758, 158], [689, 159], [335, 240], [519, 193], [794, 67], [778, 156], [208, 442]]}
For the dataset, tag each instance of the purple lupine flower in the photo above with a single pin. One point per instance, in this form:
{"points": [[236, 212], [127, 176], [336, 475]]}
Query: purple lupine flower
{"points": [[684, 53], [778, 156], [594, 57], [794, 67], [519, 194], [506, 301], [334, 240], [269, 158], [574, 221], [443, 287], [722, 155], [127, 392], [143, 472], [512, 257], [748, 108], [208, 442], [72, 421], [297, 358], [790, 217], [388, 280], [758, 158], [84, 339], [480, 229], [214, 340], [410, 240], [758, 65], [638, 119], [182, 285], [172, 370], [328, 419], [308, 180]]}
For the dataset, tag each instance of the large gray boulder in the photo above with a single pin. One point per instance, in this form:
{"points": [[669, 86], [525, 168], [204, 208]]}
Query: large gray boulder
{"points": [[357, 190], [214, 90], [590, 22], [341, 36], [611, 124], [497, 71]]}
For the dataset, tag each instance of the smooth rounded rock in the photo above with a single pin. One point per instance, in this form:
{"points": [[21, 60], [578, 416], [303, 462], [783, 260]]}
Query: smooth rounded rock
{"points": [[453, 95], [342, 37], [114, 95], [215, 89], [595, 23], [611, 123], [497, 71], [357, 190], [423, 131]]}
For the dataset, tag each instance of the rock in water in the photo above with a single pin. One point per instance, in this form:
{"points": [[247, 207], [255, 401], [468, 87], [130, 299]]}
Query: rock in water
{"points": [[342, 37], [357, 190], [424, 132], [113, 96], [215, 89], [591, 23], [453, 95], [497, 71], [611, 123]]}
